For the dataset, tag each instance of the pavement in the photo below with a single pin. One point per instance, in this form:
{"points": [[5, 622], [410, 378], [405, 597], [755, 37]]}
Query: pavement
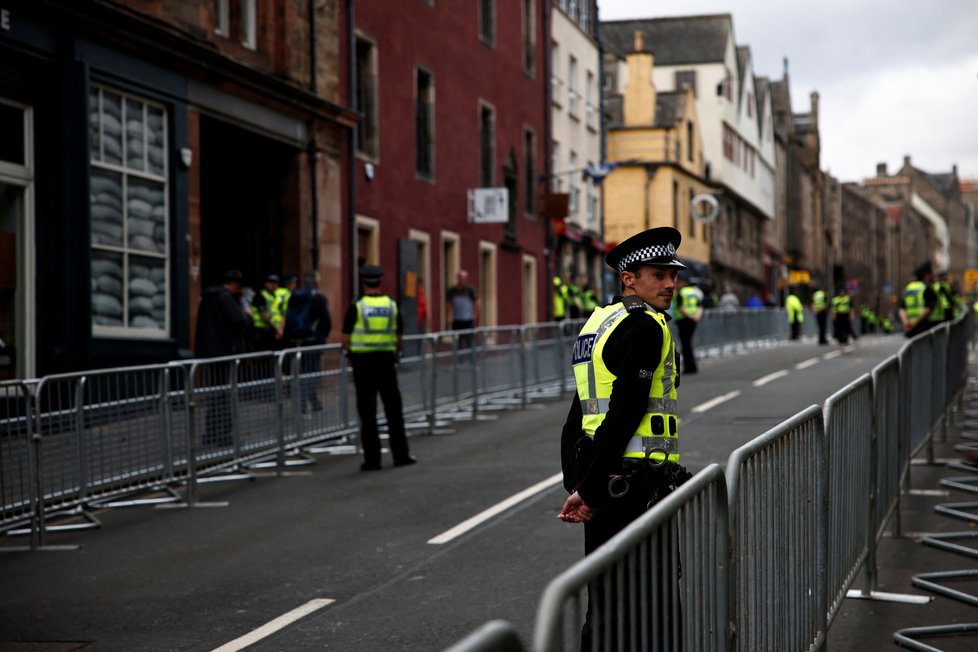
{"points": [[949, 617]]}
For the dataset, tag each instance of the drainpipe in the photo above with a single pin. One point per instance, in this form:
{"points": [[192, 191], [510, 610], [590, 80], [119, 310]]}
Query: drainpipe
{"points": [[351, 179], [549, 240], [312, 154]]}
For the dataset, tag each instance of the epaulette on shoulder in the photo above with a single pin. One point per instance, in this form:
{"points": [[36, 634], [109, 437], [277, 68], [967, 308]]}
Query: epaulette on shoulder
{"points": [[633, 303]]}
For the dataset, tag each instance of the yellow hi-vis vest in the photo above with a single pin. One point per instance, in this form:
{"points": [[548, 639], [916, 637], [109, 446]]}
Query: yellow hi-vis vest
{"points": [[376, 326], [691, 301], [270, 307], [913, 299], [796, 312], [943, 307], [657, 434], [818, 300]]}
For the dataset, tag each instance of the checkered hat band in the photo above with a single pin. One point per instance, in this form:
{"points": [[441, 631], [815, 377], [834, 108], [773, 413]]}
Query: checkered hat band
{"points": [[665, 252]]}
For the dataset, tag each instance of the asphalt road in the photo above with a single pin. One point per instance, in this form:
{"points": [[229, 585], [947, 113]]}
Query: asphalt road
{"points": [[355, 552]]}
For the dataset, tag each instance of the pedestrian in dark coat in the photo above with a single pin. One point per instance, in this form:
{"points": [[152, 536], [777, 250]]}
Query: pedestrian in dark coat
{"points": [[221, 324]]}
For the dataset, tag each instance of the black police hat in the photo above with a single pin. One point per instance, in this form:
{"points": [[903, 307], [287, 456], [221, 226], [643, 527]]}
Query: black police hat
{"points": [[923, 268], [652, 247], [271, 278], [370, 273]]}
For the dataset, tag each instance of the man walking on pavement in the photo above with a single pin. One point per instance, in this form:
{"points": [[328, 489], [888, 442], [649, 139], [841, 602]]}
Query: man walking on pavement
{"points": [[689, 310], [619, 445], [841, 315], [372, 331], [821, 309], [308, 323], [796, 313]]}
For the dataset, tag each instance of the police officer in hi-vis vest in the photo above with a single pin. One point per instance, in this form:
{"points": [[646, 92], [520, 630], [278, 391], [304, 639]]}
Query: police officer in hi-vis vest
{"points": [[620, 445], [372, 333], [820, 306], [920, 308]]}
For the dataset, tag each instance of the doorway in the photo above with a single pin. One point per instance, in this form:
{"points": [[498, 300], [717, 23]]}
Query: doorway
{"points": [[16, 249], [247, 204]]}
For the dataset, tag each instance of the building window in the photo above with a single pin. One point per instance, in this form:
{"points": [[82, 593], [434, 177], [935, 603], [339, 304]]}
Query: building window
{"points": [[572, 189], [529, 37], [556, 182], [572, 86], [591, 111], [555, 81], [690, 156], [675, 204], [222, 17], [728, 143], [592, 205], [424, 123], [129, 215], [750, 105], [487, 150], [572, 9], [237, 21], [249, 28], [487, 21], [686, 79], [529, 170], [585, 21], [367, 130], [689, 210]]}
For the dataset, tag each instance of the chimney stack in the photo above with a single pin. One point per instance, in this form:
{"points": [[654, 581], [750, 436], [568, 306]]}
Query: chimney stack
{"points": [[881, 170]]}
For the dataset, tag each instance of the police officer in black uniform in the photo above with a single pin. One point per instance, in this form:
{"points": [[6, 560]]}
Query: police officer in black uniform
{"points": [[619, 445], [372, 331]]}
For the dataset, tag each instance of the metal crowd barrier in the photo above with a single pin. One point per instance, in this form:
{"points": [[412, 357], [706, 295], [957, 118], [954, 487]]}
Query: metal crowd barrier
{"points": [[660, 584], [777, 485], [129, 436], [18, 458], [809, 502]]}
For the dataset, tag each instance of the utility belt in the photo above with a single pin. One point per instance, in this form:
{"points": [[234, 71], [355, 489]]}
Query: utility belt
{"points": [[651, 480]]}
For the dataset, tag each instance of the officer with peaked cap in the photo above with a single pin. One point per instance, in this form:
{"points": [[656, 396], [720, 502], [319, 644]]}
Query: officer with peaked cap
{"points": [[372, 332], [620, 443]]}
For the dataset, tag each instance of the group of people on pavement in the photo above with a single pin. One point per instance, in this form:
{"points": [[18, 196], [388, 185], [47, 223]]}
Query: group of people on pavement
{"points": [[573, 300], [927, 302]]}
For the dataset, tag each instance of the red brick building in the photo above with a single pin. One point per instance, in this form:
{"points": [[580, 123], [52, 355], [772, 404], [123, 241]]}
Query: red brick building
{"points": [[452, 97]]}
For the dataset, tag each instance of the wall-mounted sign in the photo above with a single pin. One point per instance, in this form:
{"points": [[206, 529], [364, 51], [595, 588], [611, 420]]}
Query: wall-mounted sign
{"points": [[704, 208], [489, 205], [5, 20], [799, 277]]}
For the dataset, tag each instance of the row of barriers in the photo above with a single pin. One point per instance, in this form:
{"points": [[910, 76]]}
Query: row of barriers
{"points": [[128, 436], [760, 555]]}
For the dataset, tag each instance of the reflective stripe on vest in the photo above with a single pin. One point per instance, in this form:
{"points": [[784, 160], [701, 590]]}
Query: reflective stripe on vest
{"points": [[376, 325], [657, 433], [842, 304]]}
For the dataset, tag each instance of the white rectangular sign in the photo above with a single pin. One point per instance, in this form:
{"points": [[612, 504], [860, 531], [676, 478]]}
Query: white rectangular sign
{"points": [[489, 205]]}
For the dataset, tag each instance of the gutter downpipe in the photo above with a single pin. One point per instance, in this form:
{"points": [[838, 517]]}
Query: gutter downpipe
{"points": [[549, 241], [312, 153], [351, 179]]}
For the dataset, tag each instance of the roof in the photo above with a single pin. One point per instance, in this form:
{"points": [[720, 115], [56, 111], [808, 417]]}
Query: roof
{"points": [[673, 41]]}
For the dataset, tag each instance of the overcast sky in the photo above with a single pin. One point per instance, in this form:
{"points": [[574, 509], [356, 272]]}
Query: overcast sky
{"points": [[895, 77]]}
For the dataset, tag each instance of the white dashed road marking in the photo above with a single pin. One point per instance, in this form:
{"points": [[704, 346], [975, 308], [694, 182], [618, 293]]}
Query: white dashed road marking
{"points": [[273, 626], [804, 364], [713, 402], [768, 378], [487, 514]]}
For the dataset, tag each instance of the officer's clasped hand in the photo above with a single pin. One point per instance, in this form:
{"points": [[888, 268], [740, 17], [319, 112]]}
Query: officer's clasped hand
{"points": [[575, 510]]}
